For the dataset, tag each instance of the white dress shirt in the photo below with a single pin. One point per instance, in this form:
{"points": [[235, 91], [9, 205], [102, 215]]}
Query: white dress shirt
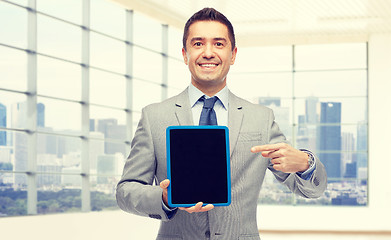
{"points": [[220, 107]]}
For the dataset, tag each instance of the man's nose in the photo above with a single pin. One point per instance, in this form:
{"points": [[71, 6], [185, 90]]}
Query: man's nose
{"points": [[208, 51]]}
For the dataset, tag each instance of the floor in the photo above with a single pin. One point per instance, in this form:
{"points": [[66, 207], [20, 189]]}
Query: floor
{"points": [[325, 236], [120, 225]]}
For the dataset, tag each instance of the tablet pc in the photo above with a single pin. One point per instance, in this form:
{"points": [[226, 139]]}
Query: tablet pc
{"points": [[198, 165]]}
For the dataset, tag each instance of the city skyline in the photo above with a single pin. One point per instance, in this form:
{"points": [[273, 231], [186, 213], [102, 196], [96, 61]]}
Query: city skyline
{"points": [[305, 135], [342, 153], [344, 159], [58, 154]]}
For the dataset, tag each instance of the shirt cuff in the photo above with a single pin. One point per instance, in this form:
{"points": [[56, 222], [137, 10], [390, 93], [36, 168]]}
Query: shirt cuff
{"points": [[307, 174], [170, 212]]}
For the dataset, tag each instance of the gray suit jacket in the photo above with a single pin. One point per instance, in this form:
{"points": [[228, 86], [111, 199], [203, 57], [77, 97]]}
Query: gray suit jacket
{"points": [[249, 125]]}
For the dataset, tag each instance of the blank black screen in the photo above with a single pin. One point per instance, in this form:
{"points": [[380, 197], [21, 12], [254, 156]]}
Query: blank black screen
{"points": [[198, 166]]}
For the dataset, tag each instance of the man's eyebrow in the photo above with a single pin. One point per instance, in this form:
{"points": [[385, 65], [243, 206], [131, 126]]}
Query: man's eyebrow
{"points": [[202, 38], [196, 39], [220, 39]]}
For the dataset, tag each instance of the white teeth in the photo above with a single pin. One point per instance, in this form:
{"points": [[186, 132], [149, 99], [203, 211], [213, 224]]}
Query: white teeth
{"points": [[208, 65]]}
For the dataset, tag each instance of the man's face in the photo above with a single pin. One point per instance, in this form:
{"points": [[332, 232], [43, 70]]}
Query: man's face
{"points": [[208, 54]]}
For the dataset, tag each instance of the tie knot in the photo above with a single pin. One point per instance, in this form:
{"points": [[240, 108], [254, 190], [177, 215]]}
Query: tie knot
{"points": [[209, 102]]}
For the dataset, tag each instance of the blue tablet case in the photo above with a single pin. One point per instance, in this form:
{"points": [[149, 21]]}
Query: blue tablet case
{"points": [[198, 165]]}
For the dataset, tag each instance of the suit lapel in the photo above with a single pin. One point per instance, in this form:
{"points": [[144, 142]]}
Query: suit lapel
{"points": [[235, 117], [182, 109]]}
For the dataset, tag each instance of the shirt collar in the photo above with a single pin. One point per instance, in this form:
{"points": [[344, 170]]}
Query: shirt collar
{"points": [[195, 94]]}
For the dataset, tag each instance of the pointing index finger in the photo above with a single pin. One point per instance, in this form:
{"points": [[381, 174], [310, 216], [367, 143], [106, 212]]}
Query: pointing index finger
{"points": [[266, 147]]}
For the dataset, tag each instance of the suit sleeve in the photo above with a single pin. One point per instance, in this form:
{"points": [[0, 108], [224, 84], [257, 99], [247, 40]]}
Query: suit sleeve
{"points": [[135, 191], [311, 188]]}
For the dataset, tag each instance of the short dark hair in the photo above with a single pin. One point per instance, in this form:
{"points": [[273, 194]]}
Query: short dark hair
{"points": [[209, 14]]}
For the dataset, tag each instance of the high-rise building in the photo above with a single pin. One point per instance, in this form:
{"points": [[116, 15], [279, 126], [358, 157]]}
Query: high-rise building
{"points": [[302, 139], [111, 130], [107, 165], [68, 177], [329, 139], [311, 119], [311, 114], [362, 148], [307, 125], [3, 123], [348, 159], [103, 124], [115, 132], [92, 125], [281, 114], [351, 170], [47, 144], [40, 115], [19, 118], [96, 148], [48, 163], [5, 154], [20, 146], [268, 101], [362, 145]]}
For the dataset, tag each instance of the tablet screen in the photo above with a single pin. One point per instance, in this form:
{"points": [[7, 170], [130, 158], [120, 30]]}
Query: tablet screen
{"points": [[198, 165]]}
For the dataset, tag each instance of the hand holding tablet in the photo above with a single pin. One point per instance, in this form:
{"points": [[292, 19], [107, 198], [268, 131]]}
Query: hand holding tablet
{"points": [[197, 208]]}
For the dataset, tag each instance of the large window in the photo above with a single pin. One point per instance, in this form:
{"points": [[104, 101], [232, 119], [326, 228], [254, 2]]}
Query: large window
{"points": [[73, 79], [319, 97], [74, 76]]}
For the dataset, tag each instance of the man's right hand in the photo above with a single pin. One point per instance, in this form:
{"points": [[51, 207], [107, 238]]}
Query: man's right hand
{"points": [[164, 185], [197, 208]]}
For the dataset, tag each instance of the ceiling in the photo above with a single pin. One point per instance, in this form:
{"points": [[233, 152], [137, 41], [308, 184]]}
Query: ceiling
{"points": [[275, 22]]}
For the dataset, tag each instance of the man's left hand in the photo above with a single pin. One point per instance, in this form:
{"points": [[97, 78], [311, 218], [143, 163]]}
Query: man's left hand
{"points": [[284, 157]]}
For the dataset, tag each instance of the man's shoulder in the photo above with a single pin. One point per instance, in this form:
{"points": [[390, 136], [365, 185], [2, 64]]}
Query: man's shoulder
{"points": [[166, 102]]}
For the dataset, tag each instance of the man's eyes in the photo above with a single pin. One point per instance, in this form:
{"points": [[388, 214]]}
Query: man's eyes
{"points": [[218, 44]]}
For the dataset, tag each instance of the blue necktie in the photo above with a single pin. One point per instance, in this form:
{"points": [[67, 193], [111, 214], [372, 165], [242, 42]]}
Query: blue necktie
{"points": [[208, 115]]}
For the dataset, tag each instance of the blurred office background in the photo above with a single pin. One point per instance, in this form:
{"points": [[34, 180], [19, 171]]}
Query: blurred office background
{"points": [[75, 74]]}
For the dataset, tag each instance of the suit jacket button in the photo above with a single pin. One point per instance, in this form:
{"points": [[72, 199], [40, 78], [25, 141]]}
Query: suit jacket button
{"points": [[316, 181], [156, 216], [207, 234]]}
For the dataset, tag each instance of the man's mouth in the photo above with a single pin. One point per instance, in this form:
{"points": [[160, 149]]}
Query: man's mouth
{"points": [[208, 65]]}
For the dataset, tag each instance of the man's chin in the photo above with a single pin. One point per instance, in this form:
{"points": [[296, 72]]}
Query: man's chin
{"points": [[205, 83], [209, 82]]}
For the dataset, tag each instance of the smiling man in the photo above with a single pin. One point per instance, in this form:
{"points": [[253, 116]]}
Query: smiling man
{"points": [[256, 145], [209, 54]]}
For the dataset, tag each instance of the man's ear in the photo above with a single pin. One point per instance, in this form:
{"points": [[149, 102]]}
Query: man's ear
{"points": [[234, 55], [184, 54]]}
